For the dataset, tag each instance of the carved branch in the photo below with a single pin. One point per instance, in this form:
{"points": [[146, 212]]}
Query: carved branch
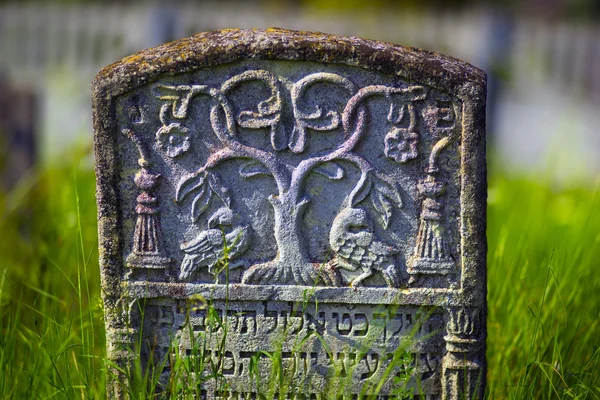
{"points": [[225, 134], [365, 170], [306, 120], [215, 159], [354, 110], [304, 168], [224, 123], [269, 111], [406, 94]]}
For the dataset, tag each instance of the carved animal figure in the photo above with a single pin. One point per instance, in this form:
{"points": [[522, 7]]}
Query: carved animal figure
{"points": [[355, 245], [207, 249]]}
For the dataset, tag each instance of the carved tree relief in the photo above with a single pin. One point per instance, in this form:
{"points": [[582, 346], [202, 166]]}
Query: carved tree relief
{"points": [[292, 264]]}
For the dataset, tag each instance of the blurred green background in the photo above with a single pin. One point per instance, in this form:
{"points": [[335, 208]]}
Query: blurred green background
{"points": [[543, 61]]}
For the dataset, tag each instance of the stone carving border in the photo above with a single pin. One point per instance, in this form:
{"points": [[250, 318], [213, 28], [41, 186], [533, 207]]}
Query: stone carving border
{"points": [[465, 310]]}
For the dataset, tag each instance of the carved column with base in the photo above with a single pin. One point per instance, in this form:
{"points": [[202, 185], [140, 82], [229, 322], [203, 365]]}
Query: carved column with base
{"points": [[121, 336], [431, 254], [462, 375], [147, 259]]}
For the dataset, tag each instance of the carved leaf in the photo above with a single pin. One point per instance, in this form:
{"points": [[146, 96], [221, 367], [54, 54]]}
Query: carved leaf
{"points": [[221, 191], [383, 199], [201, 203], [320, 122], [268, 114], [389, 191], [361, 190], [270, 106], [330, 170], [253, 168], [383, 206], [189, 185]]}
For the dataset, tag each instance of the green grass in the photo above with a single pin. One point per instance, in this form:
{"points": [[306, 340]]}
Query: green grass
{"points": [[543, 290], [52, 339]]}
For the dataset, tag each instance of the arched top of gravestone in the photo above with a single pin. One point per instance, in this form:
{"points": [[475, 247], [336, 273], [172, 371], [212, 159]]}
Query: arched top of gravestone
{"points": [[209, 49]]}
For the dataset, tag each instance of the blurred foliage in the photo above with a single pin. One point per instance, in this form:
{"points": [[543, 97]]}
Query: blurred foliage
{"points": [[51, 329], [543, 311]]}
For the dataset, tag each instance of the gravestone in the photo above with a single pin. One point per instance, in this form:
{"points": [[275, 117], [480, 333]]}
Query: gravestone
{"points": [[293, 215]]}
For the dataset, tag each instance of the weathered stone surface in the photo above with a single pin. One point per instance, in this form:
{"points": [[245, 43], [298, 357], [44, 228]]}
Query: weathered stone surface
{"points": [[325, 195]]}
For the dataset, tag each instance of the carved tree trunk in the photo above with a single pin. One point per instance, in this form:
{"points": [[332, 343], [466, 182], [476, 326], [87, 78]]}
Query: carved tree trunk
{"points": [[291, 265], [292, 257]]}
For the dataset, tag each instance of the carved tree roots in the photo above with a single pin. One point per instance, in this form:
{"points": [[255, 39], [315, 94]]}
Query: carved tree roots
{"points": [[291, 266]]}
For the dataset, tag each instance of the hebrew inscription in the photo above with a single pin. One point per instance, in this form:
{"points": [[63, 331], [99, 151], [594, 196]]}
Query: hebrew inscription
{"points": [[309, 211], [364, 342]]}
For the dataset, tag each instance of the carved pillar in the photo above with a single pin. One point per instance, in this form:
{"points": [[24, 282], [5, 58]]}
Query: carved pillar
{"points": [[462, 374], [431, 254], [121, 337], [147, 254]]}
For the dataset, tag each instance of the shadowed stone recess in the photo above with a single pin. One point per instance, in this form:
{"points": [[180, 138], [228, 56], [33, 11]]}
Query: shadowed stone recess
{"points": [[322, 198]]}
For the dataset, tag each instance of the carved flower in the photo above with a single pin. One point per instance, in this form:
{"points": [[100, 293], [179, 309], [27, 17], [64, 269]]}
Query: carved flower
{"points": [[401, 145], [173, 139]]}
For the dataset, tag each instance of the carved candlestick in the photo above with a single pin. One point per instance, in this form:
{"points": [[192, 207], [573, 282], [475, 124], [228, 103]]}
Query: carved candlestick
{"points": [[431, 254], [147, 252]]}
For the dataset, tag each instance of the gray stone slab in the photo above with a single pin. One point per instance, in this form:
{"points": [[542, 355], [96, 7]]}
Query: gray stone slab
{"points": [[310, 208]]}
